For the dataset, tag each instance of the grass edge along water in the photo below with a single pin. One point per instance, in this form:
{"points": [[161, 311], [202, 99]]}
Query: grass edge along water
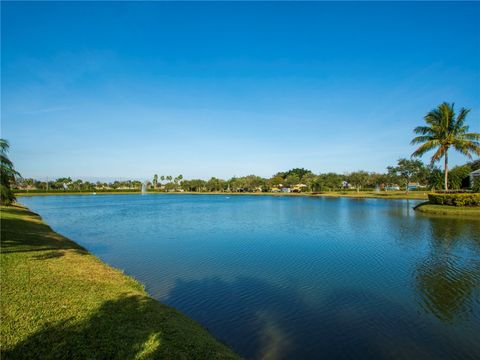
{"points": [[58, 301]]}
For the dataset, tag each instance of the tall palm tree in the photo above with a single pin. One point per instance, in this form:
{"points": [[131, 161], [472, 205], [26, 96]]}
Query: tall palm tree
{"points": [[444, 130]]}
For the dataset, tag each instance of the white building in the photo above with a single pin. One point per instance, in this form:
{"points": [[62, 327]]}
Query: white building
{"points": [[474, 176]]}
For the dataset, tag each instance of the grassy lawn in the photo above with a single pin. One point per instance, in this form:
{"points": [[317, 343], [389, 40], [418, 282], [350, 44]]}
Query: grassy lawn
{"points": [[58, 301], [449, 210], [393, 195]]}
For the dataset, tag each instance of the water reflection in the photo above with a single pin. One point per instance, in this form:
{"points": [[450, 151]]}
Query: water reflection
{"points": [[348, 324], [448, 279]]}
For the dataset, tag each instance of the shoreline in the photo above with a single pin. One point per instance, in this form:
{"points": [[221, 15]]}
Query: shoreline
{"points": [[427, 208], [59, 299], [360, 195]]}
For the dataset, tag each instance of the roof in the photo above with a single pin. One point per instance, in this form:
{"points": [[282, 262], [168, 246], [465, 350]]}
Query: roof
{"points": [[475, 172]]}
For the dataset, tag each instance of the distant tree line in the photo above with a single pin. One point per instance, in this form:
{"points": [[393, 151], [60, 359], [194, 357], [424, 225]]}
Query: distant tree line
{"points": [[404, 174], [443, 130]]}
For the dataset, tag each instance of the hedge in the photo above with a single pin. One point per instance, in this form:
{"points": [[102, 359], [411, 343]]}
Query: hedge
{"points": [[462, 199]]}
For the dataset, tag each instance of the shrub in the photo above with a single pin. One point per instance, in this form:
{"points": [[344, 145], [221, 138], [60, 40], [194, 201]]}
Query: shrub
{"points": [[476, 186], [459, 199]]}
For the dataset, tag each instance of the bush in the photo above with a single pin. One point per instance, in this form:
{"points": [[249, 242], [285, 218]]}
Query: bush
{"points": [[459, 199], [476, 186]]}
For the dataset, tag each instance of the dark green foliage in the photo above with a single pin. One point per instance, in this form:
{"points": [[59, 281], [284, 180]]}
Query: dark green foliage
{"points": [[476, 186], [462, 199], [474, 165], [7, 174], [459, 177], [300, 172]]}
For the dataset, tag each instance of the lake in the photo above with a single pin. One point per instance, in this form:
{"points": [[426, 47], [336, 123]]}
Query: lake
{"points": [[293, 277]]}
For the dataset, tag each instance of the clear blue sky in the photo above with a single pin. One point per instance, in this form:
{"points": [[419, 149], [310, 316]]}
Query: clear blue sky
{"points": [[220, 89]]}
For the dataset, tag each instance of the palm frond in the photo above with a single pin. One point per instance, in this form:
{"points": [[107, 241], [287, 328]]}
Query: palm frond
{"points": [[423, 130], [421, 139], [427, 146], [460, 121], [467, 147], [4, 145], [439, 153], [471, 136]]}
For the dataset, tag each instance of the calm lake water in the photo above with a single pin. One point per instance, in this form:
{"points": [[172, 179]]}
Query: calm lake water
{"points": [[292, 277]]}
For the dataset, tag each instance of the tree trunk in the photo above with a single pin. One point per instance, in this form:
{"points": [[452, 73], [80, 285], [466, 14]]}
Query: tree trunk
{"points": [[446, 170]]}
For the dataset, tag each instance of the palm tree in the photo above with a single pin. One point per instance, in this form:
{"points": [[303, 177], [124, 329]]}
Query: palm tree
{"points": [[7, 174], [445, 129]]}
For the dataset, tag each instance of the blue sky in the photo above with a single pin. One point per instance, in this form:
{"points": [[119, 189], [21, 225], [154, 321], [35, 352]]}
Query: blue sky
{"points": [[126, 90]]}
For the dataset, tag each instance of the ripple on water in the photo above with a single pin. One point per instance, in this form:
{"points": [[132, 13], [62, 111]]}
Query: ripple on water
{"points": [[282, 278]]}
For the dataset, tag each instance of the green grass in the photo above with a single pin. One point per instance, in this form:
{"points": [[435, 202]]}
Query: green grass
{"points": [[448, 210], [393, 195], [59, 301]]}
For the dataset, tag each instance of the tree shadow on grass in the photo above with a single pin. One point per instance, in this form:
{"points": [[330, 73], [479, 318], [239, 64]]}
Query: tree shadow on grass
{"points": [[49, 255], [263, 321], [22, 231], [130, 327]]}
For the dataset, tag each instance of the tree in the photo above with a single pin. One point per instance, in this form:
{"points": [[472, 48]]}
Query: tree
{"points": [[358, 179], [459, 177], [309, 180], [155, 181], [292, 179], [215, 184], [332, 181], [297, 172], [445, 130], [276, 180], [408, 170], [7, 174]]}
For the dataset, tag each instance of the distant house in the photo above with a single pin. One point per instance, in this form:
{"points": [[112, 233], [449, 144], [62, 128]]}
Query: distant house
{"points": [[392, 187], [298, 187], [415, 186], [474, 176], [275, 189]]}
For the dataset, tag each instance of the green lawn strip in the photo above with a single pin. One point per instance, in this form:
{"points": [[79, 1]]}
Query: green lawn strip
{"points": [[448, 210], [59, 301]]}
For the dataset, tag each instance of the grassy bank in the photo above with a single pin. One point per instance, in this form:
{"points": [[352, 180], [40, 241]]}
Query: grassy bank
{"points": [[393, 195], [448, 210], [59, 301]]}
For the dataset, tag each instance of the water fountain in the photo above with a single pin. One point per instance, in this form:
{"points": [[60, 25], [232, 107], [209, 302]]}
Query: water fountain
{"points": [[144, 187]]}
